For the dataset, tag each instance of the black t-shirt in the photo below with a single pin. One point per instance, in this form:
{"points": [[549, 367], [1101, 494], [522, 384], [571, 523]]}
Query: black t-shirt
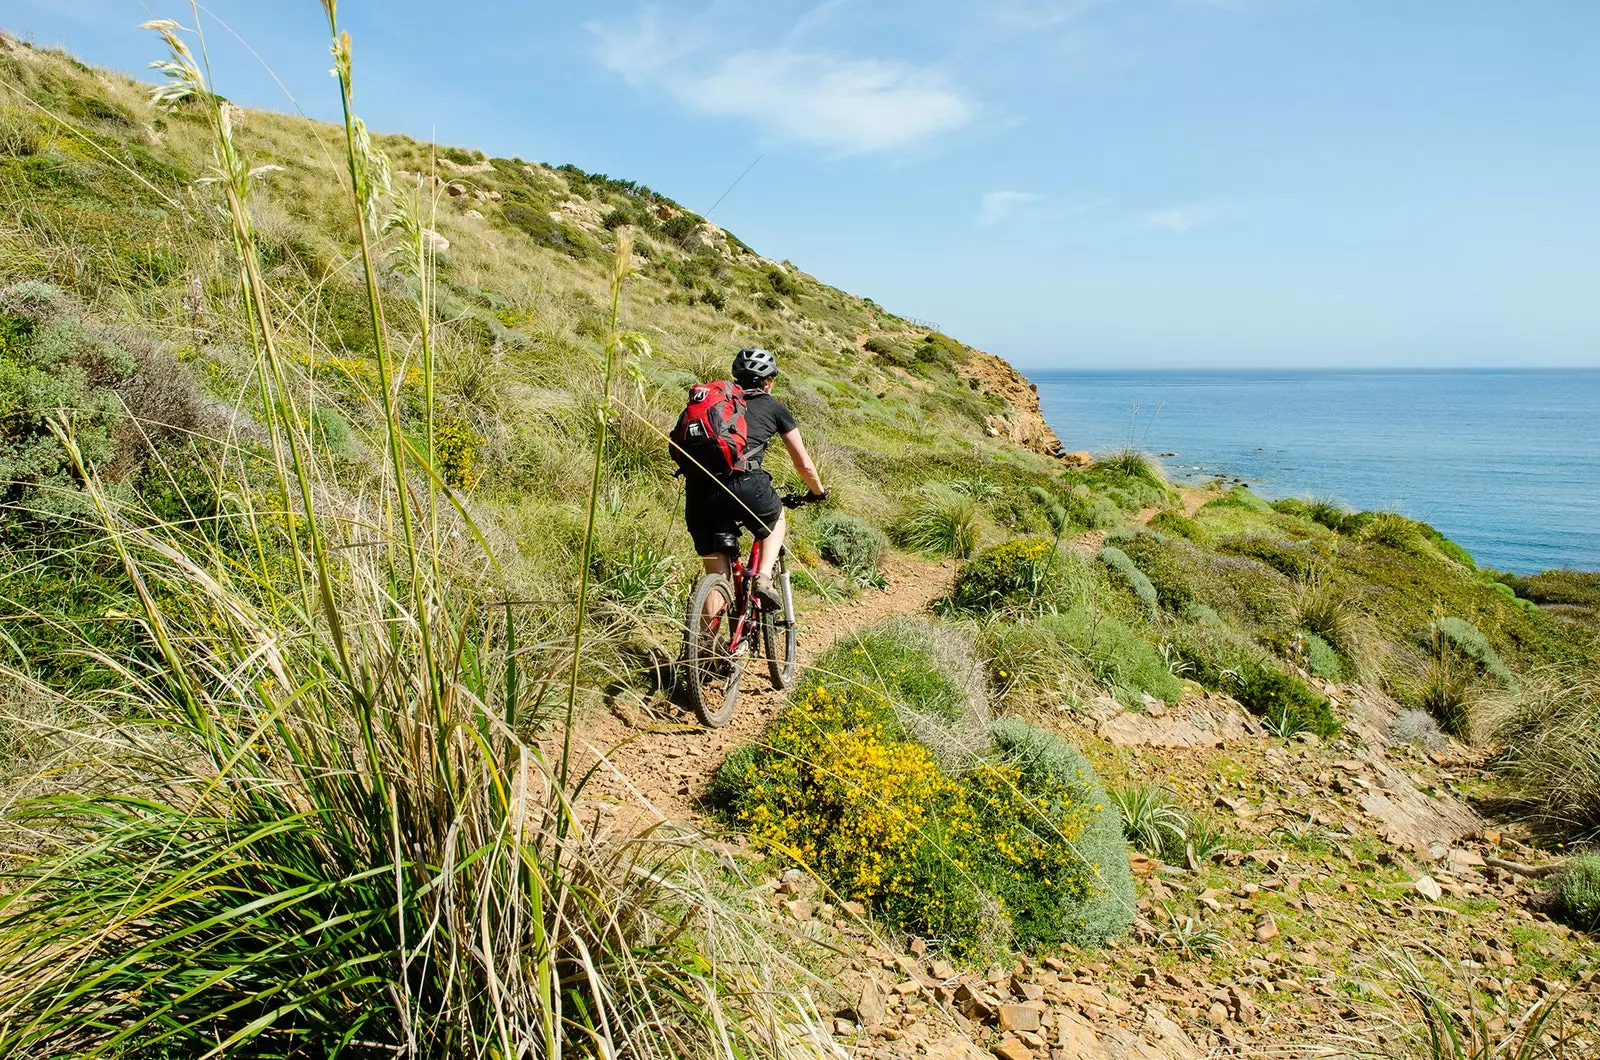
{"points": [[764, 416]]}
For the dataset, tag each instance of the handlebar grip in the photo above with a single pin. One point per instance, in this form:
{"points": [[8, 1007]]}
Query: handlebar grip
{"points": [[796, 500]]}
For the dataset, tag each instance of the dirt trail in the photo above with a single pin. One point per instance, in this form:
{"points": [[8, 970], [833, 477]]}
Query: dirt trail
{"points": [[668, 758]]}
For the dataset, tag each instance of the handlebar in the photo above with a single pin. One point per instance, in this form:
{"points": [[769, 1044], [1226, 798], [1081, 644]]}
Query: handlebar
{"points": [[796, 500]]}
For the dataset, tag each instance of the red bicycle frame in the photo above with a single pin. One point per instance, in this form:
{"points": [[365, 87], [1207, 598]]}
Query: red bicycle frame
{"points": [[742, 597]]}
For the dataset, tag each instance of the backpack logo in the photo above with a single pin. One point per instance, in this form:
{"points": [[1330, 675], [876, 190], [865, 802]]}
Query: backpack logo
{"points": [[711, 436]]}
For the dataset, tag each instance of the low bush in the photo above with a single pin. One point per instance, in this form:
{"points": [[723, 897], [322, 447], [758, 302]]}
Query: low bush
{"points": [[1446, 687], [1327, 513], [1027, 664], [1150, 819], [1385, 528], [941, 521], [1118, 656], [1322, 607], [1013, 849], [1154, 557], [836, 786], [1127, 476], [1091, 510], [1462, 638], [849, 543], [1174, 521], [1009, 576], [929, 674], [1126, 571], [1287, 558], [1240, 497], [1550, 762], [1577, 893], [1576, 588], [1285, 701], [1106, 910], [1324, 660]]}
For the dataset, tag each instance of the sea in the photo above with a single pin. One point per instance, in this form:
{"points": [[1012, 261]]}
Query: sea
{"points": [[1504, 462]]}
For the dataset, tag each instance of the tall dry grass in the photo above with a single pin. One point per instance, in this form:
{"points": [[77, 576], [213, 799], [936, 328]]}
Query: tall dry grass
{"points": [[302, 822]]}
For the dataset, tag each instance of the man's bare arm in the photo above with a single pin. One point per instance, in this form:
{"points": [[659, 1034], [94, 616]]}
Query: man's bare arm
{"points": [[802, 461]]}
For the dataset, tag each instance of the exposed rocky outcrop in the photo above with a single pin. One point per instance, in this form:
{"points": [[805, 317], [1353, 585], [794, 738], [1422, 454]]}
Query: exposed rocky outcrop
{"points": [[1023, 423]]}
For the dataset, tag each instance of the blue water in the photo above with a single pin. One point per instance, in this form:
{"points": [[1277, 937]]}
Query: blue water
{"points": [[1507, 463]]}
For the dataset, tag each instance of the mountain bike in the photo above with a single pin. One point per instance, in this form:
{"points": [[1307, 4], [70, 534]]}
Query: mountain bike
{"points": [[720, 630]]}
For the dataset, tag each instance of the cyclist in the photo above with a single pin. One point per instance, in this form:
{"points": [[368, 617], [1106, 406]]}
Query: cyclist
{"points": [[716, 507]]}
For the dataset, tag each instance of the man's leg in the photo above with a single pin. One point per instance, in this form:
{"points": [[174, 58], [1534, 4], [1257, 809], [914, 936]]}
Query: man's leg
{"points": [[772, 545], [716, 563]]}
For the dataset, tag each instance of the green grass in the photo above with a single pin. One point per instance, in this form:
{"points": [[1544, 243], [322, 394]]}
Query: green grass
{"points": [[1131, 578], [301, 820], [1151, 820], [941, 521]]}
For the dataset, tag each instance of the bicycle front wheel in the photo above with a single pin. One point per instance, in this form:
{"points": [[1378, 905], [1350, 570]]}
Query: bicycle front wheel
{"points": [[778, 642], [711, 672]]}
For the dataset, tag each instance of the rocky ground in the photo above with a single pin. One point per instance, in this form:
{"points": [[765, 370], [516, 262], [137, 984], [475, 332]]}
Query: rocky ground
{"points": [[1336, 859], [1339, 857]]}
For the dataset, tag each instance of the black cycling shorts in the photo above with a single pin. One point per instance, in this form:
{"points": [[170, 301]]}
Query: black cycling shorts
{"points": [[714, 517]]}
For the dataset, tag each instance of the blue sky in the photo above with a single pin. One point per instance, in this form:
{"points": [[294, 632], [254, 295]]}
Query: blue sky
{"points": [[1068, 183]]}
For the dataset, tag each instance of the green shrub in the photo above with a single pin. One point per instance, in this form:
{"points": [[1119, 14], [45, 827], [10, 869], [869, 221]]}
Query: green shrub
{"points": [[1118, 656], [1387, 528], [1013, 848], [1118, 562], [1463, 638], [1155, 558], [1240, 497], [1282, 699], [929, 674], [941, 521], [49, 368], [1327, 513], [1322, 606], [1091, 510], [836, 786], [1577, 893], [849, 543], [1446, 688], [1324, 660], [1549, 762], [1575, 588], [1289, 559], [1150, 819], [1128, 477], [1174, 521], [1057, 914], [1007, 576]]}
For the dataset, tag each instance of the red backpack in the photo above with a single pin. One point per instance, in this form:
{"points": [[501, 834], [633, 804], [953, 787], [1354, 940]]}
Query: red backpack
{"points": [[711, 434]]}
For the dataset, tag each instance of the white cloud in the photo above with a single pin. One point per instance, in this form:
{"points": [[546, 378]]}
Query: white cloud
{"points": [[844, 104], [1030, 16], [998, 205], [1181, 220]]}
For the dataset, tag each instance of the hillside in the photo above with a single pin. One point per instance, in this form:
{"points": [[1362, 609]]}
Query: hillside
{"points": [[341, 577]]}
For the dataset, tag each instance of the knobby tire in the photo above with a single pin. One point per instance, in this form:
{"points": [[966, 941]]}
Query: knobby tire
{"points": [[710, 676]]}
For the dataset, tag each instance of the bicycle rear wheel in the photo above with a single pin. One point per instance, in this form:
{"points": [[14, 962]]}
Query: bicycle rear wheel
{"points": [[710, 672], [778, 641]]}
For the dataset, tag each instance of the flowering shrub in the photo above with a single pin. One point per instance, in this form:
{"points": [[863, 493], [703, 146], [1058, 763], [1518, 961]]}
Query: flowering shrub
{"points": [[837, 788], [995, 849], [455, 446], [1005, 576]]}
